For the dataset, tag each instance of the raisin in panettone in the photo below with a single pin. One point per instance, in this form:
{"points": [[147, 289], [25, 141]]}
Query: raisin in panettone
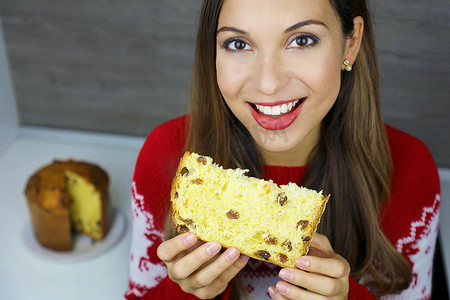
{"points": [[67, 196], [261, 219]]}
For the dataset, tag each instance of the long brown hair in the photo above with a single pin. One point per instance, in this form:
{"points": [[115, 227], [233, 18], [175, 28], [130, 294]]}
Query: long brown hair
{"points": [[352, 161]]}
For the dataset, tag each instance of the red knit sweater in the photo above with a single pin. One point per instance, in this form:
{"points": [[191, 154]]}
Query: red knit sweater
{"points": [[410, 220]]}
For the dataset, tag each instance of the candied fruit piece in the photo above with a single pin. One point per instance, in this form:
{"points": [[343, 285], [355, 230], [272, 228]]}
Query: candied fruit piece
{"points": [[202, 160], [302, 224], [282, 199], [184, 171], [287, 245], [182, 228], [283, 258], [197, 181], [271, 240], [263, 254], [232, 214]]}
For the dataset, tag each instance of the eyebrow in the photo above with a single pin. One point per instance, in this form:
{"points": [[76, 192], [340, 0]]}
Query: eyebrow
{"points": [[292, 28], [305, 23], [228, 28]]}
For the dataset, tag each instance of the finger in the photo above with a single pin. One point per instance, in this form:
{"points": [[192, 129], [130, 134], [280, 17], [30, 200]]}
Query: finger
{"points": [[319, 284], [204, 290], [169, 249], [289, 291], [213, 279], [237, 266], [229, 265], [223, 269], [335, 267], [274, 294], [193, 261]]}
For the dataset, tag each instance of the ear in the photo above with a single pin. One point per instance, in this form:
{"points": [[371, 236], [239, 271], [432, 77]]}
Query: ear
{"points": [[353, 42]]}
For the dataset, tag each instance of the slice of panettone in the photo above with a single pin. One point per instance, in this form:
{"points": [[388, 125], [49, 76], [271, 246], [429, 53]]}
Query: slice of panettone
{"points": [[261, 219]]}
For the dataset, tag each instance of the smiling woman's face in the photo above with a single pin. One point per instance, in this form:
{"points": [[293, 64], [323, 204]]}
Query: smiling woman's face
{"points": [[279, 70]]}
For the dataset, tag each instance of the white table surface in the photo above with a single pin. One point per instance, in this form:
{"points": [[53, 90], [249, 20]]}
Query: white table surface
{"points": [[26, 275]]}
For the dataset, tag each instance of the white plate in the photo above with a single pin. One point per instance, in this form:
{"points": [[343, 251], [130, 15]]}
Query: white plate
{"points": [[84, 247]]}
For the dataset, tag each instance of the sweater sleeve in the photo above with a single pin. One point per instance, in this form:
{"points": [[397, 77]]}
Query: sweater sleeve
{"points": [[155, 166], [357, 291], [410, 218]]}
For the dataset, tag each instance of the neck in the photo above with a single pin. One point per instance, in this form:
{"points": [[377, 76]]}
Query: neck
{"points": [[295, 157]]}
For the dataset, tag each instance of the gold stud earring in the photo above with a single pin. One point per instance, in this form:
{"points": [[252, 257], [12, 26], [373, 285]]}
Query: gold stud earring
{"points": [[348, 66]]}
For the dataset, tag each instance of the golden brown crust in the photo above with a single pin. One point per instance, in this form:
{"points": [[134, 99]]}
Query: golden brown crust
{"points": [[51, 178], [51, 228], [47, 199]]}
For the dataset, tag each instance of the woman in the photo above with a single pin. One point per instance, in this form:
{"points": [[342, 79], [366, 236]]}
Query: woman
{"points": [[289, 90]]}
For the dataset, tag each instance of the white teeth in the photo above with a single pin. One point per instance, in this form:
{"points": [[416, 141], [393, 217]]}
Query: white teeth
{"points": [[277, 109], [290, 106]]}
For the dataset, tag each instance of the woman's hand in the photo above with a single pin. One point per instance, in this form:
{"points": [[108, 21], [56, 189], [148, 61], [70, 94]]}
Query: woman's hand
{"points": [[198, 267], [322, 274]]}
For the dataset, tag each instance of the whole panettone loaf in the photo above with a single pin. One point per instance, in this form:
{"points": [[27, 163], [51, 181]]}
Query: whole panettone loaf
{"points": [[261, 219], [67, 196]]}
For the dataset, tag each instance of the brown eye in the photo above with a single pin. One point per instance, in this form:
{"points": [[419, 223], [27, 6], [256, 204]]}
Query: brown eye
{"points": [[302, 41], [239, 45], [236, 45]]}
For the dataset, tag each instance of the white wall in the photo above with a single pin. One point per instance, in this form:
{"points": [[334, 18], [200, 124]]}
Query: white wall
{"points": [[8, 110]]}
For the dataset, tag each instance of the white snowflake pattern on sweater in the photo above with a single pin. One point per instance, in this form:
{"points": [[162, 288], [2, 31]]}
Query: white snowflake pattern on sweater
{"points": [[145, 271], [258, 276], [417, 246]]}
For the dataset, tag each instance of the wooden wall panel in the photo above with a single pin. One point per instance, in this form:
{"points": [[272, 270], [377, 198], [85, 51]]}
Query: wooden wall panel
{"points": [[111, 66], [413, 46], [124, 67]]}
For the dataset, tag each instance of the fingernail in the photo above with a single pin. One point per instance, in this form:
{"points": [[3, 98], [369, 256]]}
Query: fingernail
{"points": [[302, 263], [282, 288], [243, 257], [286, 274], [189, 239], [232, 254], [273, 292], [213, 248]]}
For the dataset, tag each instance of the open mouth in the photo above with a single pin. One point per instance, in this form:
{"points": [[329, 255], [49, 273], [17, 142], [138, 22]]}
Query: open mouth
{"points": [[276, 111], [278, 115]]}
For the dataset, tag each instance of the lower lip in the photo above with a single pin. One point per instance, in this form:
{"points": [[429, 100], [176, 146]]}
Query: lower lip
{"points": [[276, 123]]}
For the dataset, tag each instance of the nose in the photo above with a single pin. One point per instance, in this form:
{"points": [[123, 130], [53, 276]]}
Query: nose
{"points": [[270, 74]]}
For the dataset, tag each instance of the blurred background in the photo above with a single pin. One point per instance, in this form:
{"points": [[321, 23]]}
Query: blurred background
{"points": [[91, 79]]}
